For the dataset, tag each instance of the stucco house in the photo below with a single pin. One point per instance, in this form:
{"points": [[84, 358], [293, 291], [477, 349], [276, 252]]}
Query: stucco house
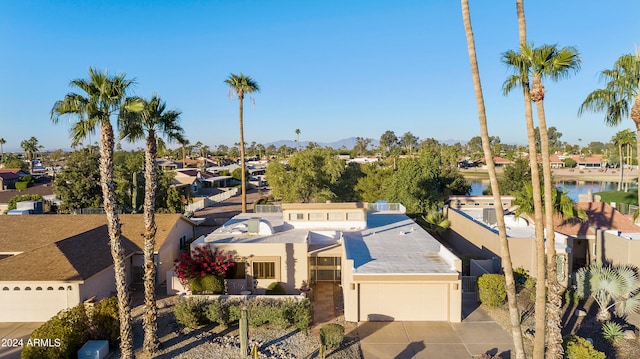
{"points": [[52, 262], [606, 235], [389, 268]]}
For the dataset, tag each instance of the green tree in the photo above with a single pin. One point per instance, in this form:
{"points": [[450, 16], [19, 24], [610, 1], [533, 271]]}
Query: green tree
{"points": [[310, 176], [11, 160], [408, 141], [298, 138], [239, 85], [620, 96], [388, 141], [344, 187], [555, 144], [371, 187], [154, 123], [422, 184], [105, 96], [78, 184]]}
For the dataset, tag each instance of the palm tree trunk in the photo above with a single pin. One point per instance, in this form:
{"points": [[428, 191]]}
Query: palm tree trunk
{"points": [[635, 116], [113, 225], [539, 341], [621, 155], [242, 164], [149, 323], [514, 315], [554, 294]]}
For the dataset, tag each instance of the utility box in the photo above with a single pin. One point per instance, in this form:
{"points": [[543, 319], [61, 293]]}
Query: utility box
{"points": [[94, 349]]}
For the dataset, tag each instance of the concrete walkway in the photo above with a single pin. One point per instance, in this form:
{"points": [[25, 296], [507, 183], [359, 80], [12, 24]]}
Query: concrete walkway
{"points": [[9, 333]]}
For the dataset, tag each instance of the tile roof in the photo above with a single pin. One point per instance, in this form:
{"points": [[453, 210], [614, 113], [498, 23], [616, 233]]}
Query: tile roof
{"points": [[43, 188], [600, 215], [64, 247]]}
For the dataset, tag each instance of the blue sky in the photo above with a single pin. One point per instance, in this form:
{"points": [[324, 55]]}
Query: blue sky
{"points": [[333, 69]]}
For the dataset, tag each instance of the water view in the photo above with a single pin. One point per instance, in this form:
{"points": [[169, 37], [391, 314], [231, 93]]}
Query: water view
{"points": [[573, 187]]}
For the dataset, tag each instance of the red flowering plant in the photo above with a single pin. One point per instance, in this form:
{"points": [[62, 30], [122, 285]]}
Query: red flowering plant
{"points": [[202, 261]]}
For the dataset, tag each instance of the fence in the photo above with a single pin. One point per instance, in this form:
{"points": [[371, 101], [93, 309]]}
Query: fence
{"points": [[626, 208], [209, 201], [268, 208], [383, 206]]}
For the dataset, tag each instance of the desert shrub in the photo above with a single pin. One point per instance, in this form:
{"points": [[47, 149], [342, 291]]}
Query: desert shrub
{"points": [[208, 284], [331, 335], [570, 162], [612, 331], [218, 312], [491, 288], [302, 314], [190, 312], [67, 332], [262, 311], [106, 321], [530, 282], [20, 186], [275, 288], [576, 347]]}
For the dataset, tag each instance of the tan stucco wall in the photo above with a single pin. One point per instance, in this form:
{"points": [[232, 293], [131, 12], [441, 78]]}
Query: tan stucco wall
{"points": [[101, 285], [470, 237], [292, 259], [618, 250], [170, 249]]}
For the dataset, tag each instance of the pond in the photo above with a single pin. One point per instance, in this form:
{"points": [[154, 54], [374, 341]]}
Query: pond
{"points": [[572, 186]]}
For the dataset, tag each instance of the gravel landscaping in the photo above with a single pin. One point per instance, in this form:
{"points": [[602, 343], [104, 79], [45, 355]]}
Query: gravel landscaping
{"points": [[218, 342]]}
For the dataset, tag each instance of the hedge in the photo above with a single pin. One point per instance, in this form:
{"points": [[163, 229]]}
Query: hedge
{"points": [[491, 288]]}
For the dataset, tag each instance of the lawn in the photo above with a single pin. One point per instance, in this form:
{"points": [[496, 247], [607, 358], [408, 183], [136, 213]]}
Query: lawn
{"points": [[630, 197]]}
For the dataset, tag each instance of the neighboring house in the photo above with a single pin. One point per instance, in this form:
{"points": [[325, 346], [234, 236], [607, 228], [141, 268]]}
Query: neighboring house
{"points": [[9, 177], [582, 161], [53, 262], [388, 266], [44, 188], [473, 231], [166, 165]]}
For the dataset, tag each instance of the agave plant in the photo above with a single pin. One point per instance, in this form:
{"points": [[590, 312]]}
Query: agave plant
{"points": [[436, 222], [611, 287], [612, 331]]}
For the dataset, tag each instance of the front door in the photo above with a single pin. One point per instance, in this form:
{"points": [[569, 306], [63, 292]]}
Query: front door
{"points": [[324, 269]]}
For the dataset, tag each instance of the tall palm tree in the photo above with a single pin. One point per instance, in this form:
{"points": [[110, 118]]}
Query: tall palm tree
{"points": [[2, 142], [514, 315], [620, 97], [155, 121], [183, 142], [298, 138], [547, 61], [104, 96], [540, 327], [30, 148], [623, 139], [239, 85]]}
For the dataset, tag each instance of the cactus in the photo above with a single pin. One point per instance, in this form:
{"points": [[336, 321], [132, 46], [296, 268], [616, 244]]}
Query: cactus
{"points": [[244, 334]]}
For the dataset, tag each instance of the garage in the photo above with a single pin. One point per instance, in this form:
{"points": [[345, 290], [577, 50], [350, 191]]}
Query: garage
{"points": [[404, 301], [33, 302]]}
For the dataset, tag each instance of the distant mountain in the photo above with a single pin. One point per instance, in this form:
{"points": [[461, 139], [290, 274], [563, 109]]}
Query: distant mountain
{"points": [[348, 143]]}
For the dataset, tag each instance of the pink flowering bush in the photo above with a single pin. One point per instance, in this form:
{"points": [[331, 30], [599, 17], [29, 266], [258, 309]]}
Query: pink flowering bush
{"points": [[201, 262]]}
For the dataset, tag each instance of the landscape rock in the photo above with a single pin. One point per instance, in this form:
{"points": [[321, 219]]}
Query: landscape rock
{"points": [[630, 334], [580, 313]]}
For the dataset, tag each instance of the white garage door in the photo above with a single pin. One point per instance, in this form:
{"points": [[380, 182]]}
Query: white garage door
{"points": [[35, 303], [406, 302]]}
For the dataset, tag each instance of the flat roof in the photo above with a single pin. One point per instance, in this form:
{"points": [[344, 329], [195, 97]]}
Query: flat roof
{"points": [[394, 244], [516, 227]]}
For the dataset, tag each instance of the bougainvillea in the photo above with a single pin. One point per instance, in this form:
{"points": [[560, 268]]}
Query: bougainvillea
{"points": [[200, 262]]}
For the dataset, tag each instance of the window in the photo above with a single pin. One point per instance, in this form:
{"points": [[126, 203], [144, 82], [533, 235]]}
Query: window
{"points": [[336, 216], [317, 216], [264, 270], [5, 288], [38, 288], [183, 243], [354, 216], [296, 216]]}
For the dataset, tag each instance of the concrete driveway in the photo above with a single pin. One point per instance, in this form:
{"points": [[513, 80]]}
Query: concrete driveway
{"points": [[476, 335], [10, 331]]}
